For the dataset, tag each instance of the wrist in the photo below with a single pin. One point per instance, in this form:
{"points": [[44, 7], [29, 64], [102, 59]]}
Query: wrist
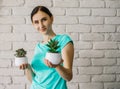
{"points": [[58, 66], [28, 67]]}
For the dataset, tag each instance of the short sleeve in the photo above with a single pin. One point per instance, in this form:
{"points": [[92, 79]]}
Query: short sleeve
{"points": [[65, 40]]}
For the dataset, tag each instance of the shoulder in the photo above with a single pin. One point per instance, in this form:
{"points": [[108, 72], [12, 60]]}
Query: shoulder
{"points": [[63, 37]]}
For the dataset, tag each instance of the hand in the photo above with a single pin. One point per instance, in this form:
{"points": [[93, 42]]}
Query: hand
{"points": [[24, 66], [49, 64]]}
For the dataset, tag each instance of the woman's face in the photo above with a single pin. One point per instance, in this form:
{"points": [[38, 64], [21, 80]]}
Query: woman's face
{"points": [[42, 22]]}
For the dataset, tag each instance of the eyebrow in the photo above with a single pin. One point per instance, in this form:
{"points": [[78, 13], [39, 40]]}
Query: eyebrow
{"points": [[41, 19]]}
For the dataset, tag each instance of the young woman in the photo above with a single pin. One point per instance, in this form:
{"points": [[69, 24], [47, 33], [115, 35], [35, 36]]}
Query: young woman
{"points": [[42, 73]]}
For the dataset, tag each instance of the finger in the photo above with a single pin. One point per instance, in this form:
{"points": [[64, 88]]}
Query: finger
{"points": [[49, 64], [46, 62], [20, 67]]}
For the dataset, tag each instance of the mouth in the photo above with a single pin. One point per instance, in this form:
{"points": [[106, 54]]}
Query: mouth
{"points": [[43, 29]]}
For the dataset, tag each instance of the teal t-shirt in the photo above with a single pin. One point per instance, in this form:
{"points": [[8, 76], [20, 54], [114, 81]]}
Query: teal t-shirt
{"points": [[45, 77]]}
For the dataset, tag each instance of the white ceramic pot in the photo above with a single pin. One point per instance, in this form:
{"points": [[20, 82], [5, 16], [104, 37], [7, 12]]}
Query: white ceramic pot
{"points": [[20, 60], [54, 58]]}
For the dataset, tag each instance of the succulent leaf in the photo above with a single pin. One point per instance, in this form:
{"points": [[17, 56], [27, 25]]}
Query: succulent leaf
{"points": [[53, 46], [20, 52]]}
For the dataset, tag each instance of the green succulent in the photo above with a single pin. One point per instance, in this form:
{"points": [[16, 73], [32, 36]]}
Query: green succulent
{"points": [[20, 52], [53, 46]]}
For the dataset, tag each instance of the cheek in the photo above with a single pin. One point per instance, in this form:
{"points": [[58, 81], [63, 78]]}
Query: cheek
{"points": [[36, 27]]}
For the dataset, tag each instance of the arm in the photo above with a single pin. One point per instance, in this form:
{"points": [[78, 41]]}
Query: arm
{"points": [[28, 71], [66, 70]]}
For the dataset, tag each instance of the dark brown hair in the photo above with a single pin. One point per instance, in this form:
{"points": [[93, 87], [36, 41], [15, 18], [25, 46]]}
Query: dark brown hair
{"points": [[40, 8]]}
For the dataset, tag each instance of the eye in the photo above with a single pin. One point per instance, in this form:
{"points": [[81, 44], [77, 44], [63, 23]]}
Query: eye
{"points": [[44, 19], [36, 22]]}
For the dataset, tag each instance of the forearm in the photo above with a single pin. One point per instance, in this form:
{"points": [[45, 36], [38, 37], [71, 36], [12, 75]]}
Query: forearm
{"points": [[29, 73], [64, 72]]}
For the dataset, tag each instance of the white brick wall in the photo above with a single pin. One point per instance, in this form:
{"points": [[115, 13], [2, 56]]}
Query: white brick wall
{"points": [[94, 26]]}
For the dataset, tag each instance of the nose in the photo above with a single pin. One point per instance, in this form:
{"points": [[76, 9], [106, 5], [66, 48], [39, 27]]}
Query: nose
{"points": [[41, 25]]}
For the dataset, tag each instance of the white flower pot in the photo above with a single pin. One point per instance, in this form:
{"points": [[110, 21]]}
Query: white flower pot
{"points": [[20, 60], [54, 58]]}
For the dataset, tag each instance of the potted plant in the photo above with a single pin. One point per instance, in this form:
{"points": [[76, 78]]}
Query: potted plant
{"points": [[20, 57], [53, 55]]}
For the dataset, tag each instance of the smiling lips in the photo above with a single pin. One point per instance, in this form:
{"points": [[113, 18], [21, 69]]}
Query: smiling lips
{"points": [[42, 30]]}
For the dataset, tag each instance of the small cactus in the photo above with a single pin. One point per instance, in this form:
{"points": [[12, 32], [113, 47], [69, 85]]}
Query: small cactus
{"points": [[53, 46], [20, 53]]}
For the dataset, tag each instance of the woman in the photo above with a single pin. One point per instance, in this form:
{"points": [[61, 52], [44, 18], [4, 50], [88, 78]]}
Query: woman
{"points": [[40, 72]]}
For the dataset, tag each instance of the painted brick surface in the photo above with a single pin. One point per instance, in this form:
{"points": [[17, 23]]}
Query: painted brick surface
{"points": [[94, 26]]}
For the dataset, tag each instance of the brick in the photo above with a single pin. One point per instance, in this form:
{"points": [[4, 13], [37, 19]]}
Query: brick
{"points": [[91, 86], [81, 78], [6, 54], [5, 28], [81, 62], [80, 12], [118, 61], [105, 45], [108, 37], [59, 29], [103, 12], [118, 29], [15, 86], [91, 53], [103, 62], [112, 20], [83, 45], [28, 20], [2, 87], [12, 3], [12, 20], [72, 86], [33, 37], [117, 78], [113, 4], [77, 28], [23, 29], [66, 3], [37, 2], [25, 45], [111, 69], [91, 20], [112, 85], [65, 20], [5, 11], [91, 3], [5, 46], [76, 54], [21, 11], [19, 80], [118, 12], [92, 37], [57, 11], [103, 28], [115, 37], [74, 36], [11, 71], [103, 78], [5, 80], [75, 70], [112, 53], [90, 70], [12, 37], [5, 63]]}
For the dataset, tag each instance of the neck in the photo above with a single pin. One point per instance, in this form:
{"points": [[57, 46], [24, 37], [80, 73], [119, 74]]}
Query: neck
{"points": [[47, 37]]}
